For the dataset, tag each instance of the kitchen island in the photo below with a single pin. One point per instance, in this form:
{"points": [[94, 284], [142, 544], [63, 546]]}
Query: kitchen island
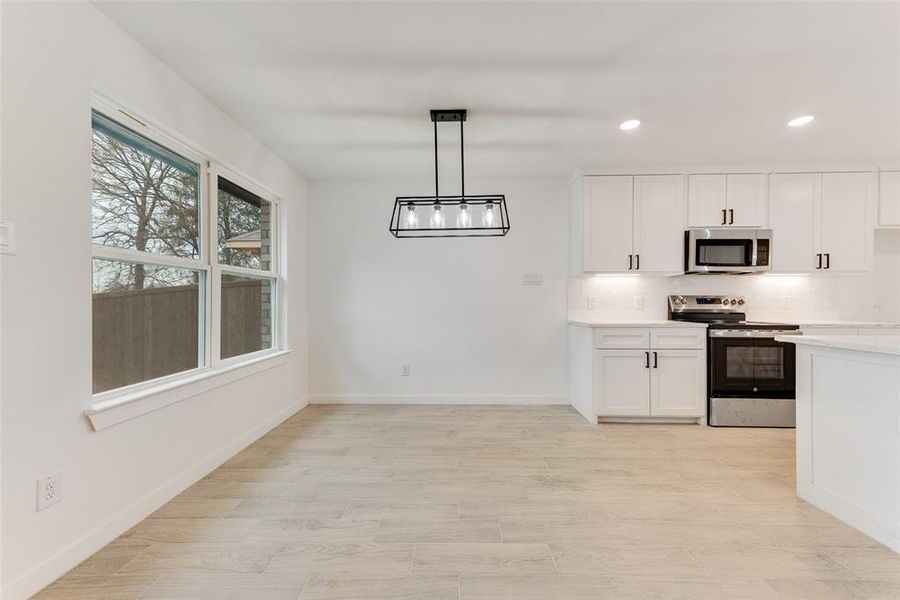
{"points": [[848, 430]]}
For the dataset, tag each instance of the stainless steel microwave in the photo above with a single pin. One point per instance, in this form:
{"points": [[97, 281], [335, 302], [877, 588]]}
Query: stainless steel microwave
{"points": [[735, 250]]}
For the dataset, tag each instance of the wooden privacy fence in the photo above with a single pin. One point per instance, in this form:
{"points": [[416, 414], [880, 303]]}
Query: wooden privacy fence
{"points": [[144, 334]]}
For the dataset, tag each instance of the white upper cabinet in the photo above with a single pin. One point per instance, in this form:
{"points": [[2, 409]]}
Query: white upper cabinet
{"points": [[889, 199], [631, 224], [608, 224], [721, 200], [747, 199], [706, 201], [846, 232], [659, 223], [792, 216], [821, 221]]}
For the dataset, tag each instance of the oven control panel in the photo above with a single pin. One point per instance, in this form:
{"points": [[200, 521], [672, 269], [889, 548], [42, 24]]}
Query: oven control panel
{"points": [[693, 303]]}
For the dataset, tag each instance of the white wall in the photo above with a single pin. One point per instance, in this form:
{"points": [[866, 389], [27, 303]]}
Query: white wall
{"points": [[873, 296], [455, 310], [53, 56]]}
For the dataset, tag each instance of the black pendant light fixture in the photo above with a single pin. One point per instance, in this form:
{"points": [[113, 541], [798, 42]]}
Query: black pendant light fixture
{"points": [[450, 216]]}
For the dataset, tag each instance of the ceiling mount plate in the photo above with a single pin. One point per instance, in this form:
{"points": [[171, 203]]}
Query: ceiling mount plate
{"points": [[448, 115]]}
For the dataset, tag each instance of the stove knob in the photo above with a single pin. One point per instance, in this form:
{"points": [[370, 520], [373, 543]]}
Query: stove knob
{"points": [[741, 301], [725, 301], [733, 301]]}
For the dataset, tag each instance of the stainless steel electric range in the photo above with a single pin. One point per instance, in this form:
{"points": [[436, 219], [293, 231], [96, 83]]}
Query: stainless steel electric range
{"points": [[750, 377]]}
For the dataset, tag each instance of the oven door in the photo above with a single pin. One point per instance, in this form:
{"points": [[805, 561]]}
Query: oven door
{"points": [[750, 364]]}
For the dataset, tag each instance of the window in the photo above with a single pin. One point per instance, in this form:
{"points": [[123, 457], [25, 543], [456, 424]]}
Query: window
{"points": [[245, 260], [159, 295]]}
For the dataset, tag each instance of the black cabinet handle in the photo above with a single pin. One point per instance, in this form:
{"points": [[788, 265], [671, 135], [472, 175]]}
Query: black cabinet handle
{"points": [[637, 258], [819, 261], [655, 360], [828, 260], [731, 216], [723, 216], [646, 360], [630, 262]]}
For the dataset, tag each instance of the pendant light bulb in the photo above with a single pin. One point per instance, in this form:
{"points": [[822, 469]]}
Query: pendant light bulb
{"points": [[437, 216], [463, 218], [490, 217], [412, 219]]}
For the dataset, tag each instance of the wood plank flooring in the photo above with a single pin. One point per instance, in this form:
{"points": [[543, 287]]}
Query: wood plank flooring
{"points": [[491, 503]]}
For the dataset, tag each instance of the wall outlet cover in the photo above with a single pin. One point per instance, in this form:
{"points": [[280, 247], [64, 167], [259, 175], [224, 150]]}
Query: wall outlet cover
{"points": [[404, 370], [593, 303], [49, 491], [639, 301], [7, 238]]}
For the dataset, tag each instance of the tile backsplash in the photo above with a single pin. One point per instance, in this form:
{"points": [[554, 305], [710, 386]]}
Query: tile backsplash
{"points": [[769, 297], [872, 296]]}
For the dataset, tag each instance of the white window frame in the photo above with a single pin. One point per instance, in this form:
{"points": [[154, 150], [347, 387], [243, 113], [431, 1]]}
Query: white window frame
{"points": [[185, 384], [219, 269]]}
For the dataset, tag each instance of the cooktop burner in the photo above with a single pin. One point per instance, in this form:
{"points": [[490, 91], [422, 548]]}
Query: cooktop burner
{"points": [[720, 312]]}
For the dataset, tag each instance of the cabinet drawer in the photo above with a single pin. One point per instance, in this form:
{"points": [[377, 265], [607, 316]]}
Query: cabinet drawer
{"points": [[621, 337], [683, 339]]}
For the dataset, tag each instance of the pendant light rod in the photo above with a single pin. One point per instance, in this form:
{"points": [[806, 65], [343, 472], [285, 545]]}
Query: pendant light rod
{"points": [[462, 163], [457, 115], [436, 194]]}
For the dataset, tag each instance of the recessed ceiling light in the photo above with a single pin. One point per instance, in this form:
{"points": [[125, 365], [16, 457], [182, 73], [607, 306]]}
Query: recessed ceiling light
{"points": [[630, 124], [801, 121]]}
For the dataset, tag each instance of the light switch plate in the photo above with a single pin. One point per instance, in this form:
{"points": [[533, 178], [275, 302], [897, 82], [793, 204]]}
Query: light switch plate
{"points": [[7, 238], [532, 279]]}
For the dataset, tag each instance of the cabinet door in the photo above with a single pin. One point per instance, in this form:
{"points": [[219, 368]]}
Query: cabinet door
{"points": [[847, 235], [622, 383], [746, 200], [706, 201], [792, 217], [659, 223], [677, 383], [608, 224], [889, 199]]}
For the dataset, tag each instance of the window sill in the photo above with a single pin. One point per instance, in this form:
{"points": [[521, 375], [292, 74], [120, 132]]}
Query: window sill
{"points": [[119, 409]]}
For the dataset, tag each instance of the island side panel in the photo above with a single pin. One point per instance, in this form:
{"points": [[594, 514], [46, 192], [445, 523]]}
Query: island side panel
{"points": [[848, 437]]}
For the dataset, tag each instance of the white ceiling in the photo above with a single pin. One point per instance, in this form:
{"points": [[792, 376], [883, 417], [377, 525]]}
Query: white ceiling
{"points": [[343, 89]]}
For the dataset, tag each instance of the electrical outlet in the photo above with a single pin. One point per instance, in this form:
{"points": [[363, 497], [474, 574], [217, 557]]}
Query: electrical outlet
{"points": [[49, 491], [787, 303], [404, 370], [593, 303], [7, 238], [639, 301]]}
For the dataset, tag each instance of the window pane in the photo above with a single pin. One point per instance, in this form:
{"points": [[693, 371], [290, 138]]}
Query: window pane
{"points": [[247, 314], [145, 197], [245, 231], [146, 322]]}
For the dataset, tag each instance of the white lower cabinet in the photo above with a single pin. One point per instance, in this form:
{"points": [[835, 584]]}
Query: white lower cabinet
{"points": [[677, 383], [652, 381], [622, 384]]}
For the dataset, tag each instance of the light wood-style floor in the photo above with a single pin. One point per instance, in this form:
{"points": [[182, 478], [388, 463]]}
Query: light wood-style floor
{"points": [[478, 503]]}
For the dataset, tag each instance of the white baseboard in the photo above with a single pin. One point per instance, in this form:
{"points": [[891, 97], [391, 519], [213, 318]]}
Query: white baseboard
{"points": [[68, 557], [435, 399]]}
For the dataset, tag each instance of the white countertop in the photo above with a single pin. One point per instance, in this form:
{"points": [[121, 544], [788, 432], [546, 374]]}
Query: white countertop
{"points": [[882, 344], [861, 324], [588, 322]]}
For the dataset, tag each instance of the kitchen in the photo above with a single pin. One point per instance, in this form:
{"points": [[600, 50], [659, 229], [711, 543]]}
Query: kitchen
{"points": [[457, 300]]}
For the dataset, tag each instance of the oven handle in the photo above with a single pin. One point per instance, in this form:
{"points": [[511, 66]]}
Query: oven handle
{"points": [[750, 333]]}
